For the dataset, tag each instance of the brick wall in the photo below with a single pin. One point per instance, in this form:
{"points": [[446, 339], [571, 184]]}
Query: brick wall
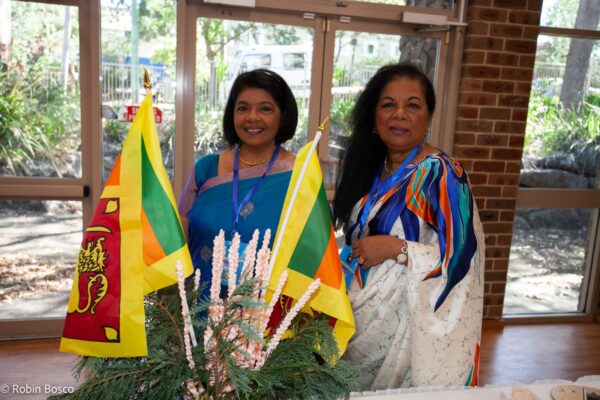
{"points": [[498, 59]]}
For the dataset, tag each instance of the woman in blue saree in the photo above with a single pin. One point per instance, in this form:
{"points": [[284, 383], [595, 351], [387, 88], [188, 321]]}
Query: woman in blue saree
{"points": [[414, 231], [242, 188]]}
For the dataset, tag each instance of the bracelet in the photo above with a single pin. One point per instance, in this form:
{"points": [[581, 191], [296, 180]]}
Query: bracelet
{"points": [[402, 257]]}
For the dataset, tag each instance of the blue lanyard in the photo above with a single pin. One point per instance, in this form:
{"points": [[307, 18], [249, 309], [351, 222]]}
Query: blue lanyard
{"points": [[378, 191], [237, 209]]}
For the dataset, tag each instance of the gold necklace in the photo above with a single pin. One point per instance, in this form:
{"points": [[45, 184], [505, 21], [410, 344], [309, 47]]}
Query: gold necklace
{"points": [[250, 163]]}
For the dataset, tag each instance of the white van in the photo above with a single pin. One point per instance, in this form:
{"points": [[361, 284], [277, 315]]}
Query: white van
{"points": [[292, 62]]}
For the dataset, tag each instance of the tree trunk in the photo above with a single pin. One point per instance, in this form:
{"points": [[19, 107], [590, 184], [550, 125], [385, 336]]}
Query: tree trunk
{"points": [[578, 59], [419, 51]]}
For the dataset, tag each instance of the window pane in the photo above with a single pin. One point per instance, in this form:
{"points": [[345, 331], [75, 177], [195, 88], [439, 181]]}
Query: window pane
{"points": [[284, 49], [445, 4], [564, 14], [136, 36], [39, 90], [548, 260], [357, 56], [39, 243], [562, 143]]}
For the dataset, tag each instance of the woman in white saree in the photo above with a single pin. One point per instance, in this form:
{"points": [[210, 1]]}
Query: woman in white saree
{"points": [[416, 238]]}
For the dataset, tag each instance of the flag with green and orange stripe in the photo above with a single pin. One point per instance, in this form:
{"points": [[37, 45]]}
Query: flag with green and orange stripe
{"points": [[129, 249], [309, 251]]}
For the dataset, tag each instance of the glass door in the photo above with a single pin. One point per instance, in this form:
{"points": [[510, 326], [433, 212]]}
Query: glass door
{"points": [[41, 206], [226, 48], [326, 59]]}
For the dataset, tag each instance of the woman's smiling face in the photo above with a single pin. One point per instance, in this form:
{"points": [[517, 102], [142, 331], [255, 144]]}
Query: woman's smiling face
{"points": [[256, 117], [401, 114]]}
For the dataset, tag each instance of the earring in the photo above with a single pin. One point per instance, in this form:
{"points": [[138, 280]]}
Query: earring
{"points": [[375, 132]]}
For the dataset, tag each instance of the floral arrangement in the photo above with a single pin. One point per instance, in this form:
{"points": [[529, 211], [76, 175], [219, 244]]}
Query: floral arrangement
{"points": [[236, 359]]}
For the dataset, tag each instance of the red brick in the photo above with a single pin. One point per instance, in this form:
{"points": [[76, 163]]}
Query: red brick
{"points": [[526, 61], [524, 18], [471, 152], [490, 240], [534, 5], [513, 167], [468, 112], [473, 85], [467, 164], [493, 312], [531, 32], [486, 14], [514, 101], [501, 204], [489, 166], [478, 28], [494, 113], [498, 288], [492, 140], [505, 240], [498, 227], [478, 179], [510, 3], [508, 216], [503, 179], [480, 203], [500, 264], [510, 192], [520, 46], [498, 86], [474, 126], [487, 191], [509, 127], [495, 276], [473, 57], [464, 138], [488, 216], [516, 141], [517, 74], [519, 115], [480, 3], [523, 88], [506, 154], [497, 252], [484, 43], [477, 99], [506, 30], [496, 58]]}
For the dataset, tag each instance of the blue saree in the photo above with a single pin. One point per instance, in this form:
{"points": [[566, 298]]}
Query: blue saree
{"points": [[206, 207]]}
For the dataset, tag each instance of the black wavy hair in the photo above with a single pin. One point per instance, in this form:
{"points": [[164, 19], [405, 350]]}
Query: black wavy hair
{"points": [[273, 84], [365, 150]]}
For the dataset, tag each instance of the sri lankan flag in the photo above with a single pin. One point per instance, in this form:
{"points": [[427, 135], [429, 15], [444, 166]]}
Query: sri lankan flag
{"points": [[130, 248], [308, 249]]}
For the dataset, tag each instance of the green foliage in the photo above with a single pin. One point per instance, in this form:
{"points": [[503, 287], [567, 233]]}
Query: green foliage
{"points": [[552, 129], [340, 115], [301, 367], [37, 119]]}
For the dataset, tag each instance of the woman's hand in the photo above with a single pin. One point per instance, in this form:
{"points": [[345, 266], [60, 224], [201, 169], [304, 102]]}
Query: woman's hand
{"points": [[373, 250]]}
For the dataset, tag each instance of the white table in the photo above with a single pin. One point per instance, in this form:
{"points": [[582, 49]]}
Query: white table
{"points": [[540, 388]]}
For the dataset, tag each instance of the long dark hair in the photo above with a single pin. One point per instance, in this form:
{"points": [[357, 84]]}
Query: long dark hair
{"points": [[366, 151], [276, 86]]}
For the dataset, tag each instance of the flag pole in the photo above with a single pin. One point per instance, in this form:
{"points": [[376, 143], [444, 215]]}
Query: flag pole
{"points": [[147, 83], [187, 320], [290, 207]]}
